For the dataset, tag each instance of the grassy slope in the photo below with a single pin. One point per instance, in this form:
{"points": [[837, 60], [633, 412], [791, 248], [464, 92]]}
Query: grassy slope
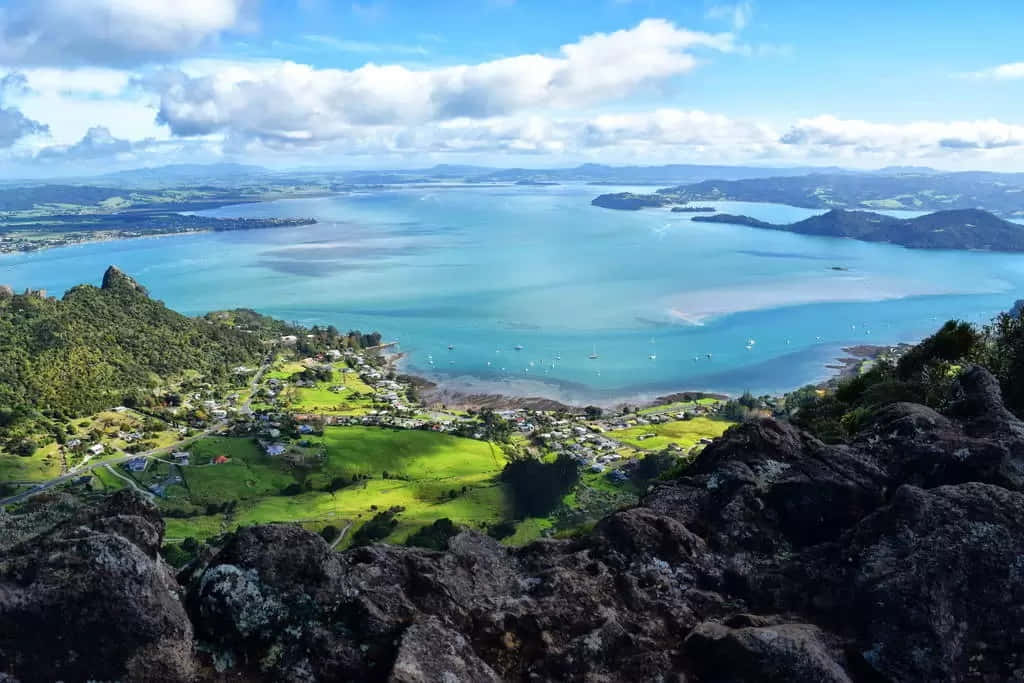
{"points": [[685, 433], [430, 465]]}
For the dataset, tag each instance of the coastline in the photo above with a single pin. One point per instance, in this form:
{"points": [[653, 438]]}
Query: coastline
{"points": [[102, 236], [451, 395]]}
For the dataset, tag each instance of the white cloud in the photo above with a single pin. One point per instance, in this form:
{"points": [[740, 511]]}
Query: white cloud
{"points": [[14, 124], [739, 14], [97, 143], [66, 32], [294, 102], [909, 138], [1003, 72]]}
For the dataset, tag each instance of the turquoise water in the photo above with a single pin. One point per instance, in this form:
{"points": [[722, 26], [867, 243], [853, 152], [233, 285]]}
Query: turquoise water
{"points": [[489, 268]]}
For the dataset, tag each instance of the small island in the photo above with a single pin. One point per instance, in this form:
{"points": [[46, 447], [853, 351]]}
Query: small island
{"points": [[955, 229], [693, 209], [628, 201]]}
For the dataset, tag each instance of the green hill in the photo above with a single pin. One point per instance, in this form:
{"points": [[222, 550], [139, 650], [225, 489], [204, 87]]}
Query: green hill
{"points": [[100, 347]]}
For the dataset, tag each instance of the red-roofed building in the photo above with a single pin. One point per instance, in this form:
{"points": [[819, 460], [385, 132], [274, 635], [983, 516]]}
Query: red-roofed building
{"points": [[221, 459]]}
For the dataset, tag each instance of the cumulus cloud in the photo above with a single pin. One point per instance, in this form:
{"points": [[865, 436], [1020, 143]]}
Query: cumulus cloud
{"points": [[96, 144], [112, 32], [914, 137], [1002, 72], [295, 102], [14, 125]]}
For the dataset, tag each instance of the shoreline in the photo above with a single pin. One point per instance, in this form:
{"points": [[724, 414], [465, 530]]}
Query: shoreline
{"points": [[104, 236], [451, 396]]}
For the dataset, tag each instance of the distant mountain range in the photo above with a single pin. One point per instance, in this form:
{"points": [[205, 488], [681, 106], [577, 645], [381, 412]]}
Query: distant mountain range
{"points": [[912, 189], [954, 229], [192, 174]]}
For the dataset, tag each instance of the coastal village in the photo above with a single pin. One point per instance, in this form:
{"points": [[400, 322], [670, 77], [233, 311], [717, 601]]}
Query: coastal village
{"points": [[283, 413]]}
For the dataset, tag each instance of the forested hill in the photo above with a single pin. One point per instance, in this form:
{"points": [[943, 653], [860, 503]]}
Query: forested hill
{"points": [[100, 347], [999, 193], [957, 229]]}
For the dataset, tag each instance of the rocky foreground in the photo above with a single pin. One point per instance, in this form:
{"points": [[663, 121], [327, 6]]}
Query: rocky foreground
{"points": [[776, 558]]}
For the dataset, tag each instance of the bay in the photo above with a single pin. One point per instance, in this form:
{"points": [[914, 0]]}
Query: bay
{"points": [[488, 268]]}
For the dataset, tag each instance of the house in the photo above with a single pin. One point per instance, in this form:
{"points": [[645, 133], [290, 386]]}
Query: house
{"points": [[96, 449], [305, 429], [218, 414], [180, 458], [289, 339], [136, 465], [221, 459], [74, 443], [276, 449]]}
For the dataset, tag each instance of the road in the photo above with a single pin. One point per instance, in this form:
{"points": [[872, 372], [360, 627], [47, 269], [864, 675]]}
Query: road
{"points": [[178, 445]]}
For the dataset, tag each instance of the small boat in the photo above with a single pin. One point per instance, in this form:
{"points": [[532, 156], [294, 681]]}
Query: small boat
{"points": [[653, 357], [518, 347], [593, 355], [451, 347], [709, 356]]}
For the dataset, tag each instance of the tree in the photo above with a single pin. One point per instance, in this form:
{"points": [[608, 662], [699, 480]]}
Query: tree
{"points": [[538, 487], [593, 412]]}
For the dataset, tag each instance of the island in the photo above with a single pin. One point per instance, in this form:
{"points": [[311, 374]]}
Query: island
{"points": [[628, 201], [693, 209], [916, 191], [955, 229]]}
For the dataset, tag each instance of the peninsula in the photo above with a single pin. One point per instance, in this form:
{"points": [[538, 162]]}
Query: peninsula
{"points": [[955, 229]]}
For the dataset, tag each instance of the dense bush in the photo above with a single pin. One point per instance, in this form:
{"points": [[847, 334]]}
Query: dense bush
{"points": [[925, 375], [98, 346], [434, 536], [538, 487]]}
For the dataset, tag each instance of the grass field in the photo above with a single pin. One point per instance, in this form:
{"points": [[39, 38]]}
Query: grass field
{"points": [[685, 433], [679, 405], [43, 465], [431, 475], [248, 475]]}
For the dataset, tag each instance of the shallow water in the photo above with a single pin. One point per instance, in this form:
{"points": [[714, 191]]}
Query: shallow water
{"points": [[489, 268]]}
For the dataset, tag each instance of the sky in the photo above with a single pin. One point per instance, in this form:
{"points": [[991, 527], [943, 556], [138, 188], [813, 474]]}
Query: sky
{"points": [[89, 86]]}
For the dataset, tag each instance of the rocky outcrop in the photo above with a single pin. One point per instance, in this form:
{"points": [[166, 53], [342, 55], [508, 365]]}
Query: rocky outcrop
{"points": [[115, 278], [89, 598], [775, 558]]}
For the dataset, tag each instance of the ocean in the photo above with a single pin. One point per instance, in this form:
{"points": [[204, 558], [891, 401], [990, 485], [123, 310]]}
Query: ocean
{"points": [[665, 304]]}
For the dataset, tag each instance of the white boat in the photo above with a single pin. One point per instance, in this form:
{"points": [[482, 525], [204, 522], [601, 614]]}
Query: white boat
{"points": [[593, 355], [451, 347], [518, 347]]}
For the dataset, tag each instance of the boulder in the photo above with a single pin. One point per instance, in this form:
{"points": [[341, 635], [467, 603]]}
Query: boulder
{"points": [[770, 654], [91, 599]]}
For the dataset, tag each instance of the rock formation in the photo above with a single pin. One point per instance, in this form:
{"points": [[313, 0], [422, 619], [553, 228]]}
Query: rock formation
{"points": [[115, 277], [775, 558]]}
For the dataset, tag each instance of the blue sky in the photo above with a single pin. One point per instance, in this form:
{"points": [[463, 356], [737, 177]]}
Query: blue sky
{"points": [[99, 84]]}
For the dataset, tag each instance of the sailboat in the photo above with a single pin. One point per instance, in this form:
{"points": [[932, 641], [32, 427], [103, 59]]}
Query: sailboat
{"points": [[593, 355], [518, 347], [653, 356]]}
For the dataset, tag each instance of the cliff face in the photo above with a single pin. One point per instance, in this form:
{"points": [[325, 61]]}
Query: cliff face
{"points": [[776, 558]]}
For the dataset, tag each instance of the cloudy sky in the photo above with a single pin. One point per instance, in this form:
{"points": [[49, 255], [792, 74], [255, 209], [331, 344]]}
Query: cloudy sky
{"points": [[97, 85]]}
